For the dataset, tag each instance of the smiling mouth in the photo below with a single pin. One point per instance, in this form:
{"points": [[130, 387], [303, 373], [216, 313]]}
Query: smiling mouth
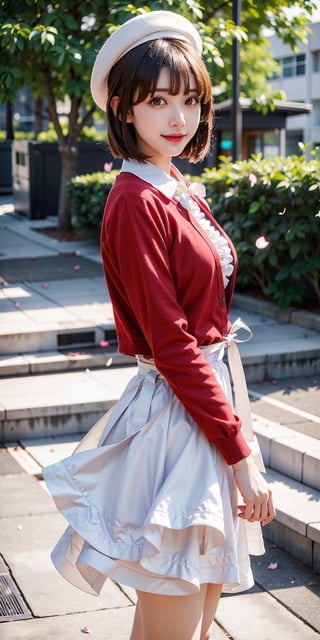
{"points": [[175, 137]]}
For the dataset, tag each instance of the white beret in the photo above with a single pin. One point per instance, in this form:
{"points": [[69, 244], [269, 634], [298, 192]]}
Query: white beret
{"points": [[136, 31]]}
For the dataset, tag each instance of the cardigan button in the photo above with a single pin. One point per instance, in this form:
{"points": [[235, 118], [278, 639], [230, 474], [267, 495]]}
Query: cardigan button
{"points": [[223, 301]]}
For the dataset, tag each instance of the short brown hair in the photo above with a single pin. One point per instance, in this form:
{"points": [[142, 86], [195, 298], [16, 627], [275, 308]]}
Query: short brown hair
{"points": [[135, 76]]}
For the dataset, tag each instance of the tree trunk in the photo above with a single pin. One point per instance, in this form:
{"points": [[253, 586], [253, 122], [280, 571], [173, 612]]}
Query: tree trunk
{"points": [[69, 158], [38, 117]]}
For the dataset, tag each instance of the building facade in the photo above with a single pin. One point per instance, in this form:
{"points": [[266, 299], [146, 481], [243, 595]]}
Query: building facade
{"points": [[299, 78]]}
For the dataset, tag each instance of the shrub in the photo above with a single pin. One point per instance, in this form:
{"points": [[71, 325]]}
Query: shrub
{"points": [[88, 194], [270, 209]]}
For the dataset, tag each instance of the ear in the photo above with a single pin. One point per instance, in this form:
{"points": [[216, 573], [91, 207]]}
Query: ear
{"points": [[114, 105]]}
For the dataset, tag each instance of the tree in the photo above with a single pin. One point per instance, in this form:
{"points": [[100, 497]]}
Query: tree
{"points": [[52, 46]]}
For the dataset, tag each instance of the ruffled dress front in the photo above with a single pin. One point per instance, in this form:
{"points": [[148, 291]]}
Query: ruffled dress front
{"points": [[150, 503]]}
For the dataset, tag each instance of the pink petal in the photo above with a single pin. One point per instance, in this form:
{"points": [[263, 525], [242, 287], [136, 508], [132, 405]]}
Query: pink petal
{"points": [[252, 179], [262, 242], [73, 357], [77, 267], [272, 566], [45, 286], [109, 362], [274, 382], [17, 305], [104, 343], [86, 629], [108, 166], [281, 213]]}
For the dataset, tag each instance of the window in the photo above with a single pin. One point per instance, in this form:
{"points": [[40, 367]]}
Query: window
{"points": [[288, 67], [301, 65], [316, 113], [316, 61], [293, 65]]}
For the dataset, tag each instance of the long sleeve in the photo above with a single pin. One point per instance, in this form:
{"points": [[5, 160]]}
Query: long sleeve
{"points": [[159, 271]]}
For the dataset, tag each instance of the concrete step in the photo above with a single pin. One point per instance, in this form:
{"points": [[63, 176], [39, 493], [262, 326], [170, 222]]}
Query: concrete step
{"points": [[89, 346], [62, 360], [58, 403], [76, 317], [288, 451], [297, 524]]}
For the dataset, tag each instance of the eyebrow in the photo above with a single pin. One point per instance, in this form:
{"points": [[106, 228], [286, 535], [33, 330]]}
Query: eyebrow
{"points": [[166, 90]]}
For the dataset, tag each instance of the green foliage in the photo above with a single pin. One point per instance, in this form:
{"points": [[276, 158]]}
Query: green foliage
{"points": [[274, 204], [88, 194]]}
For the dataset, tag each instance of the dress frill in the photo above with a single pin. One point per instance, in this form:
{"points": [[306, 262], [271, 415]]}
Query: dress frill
{"points": [[149, 501]]}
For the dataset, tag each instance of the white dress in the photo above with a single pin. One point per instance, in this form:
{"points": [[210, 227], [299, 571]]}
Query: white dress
{"points": [[149, 501]]}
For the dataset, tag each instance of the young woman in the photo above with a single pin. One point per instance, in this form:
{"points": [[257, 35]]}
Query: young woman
{"points": [[162, 492]]}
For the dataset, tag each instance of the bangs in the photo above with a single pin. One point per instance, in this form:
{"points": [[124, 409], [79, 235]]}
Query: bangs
{"points": [[181, 66]]}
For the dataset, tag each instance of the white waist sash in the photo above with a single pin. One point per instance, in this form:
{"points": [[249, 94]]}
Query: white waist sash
{"points": [[213, 353]]}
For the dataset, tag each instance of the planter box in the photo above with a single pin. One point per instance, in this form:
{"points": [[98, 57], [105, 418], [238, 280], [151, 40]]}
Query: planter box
{"points": [[6, 166], [36, 173]]}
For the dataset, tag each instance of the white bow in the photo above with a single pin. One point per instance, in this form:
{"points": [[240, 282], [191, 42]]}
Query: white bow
{"points": [[241, 398]]}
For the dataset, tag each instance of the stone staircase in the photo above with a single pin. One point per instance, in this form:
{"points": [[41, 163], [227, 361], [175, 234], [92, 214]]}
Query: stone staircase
{"points": [[58, 379]]}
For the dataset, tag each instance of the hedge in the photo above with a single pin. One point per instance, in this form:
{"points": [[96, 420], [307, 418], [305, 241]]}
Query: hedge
{"points": [[270, 208]]}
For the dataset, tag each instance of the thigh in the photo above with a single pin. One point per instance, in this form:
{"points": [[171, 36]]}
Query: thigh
{"points": [[171, 617], [210, 607]]}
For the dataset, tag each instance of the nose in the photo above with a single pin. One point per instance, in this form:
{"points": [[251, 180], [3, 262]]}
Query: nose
{"points": [[177, 118]]}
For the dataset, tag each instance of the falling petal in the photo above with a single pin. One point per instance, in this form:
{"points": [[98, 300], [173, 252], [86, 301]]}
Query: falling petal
{"points": [[107, 166], [86, 629], [313, 584], [252, 179], [45, 286], [17, 305], [19, 527], [109, 362], [104, 343], [73, 357], [274, 382], [272, 566], [76, 267], [262, 242], [281, 213]]}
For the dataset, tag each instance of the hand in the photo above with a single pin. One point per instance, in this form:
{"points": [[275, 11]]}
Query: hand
{"points": [[258, 502]]}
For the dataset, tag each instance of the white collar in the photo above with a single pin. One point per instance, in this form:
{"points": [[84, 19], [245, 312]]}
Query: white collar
{"points": [[151, 173]]}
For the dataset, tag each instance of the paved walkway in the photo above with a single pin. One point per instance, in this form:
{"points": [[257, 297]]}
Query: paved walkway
{"points": [[285, 601]]}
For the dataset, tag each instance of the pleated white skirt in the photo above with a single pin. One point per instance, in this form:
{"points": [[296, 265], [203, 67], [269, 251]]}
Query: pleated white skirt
{"points": [[149, 501]]}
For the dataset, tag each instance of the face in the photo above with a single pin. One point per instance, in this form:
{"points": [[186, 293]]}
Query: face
{"points": [[165, 123]]}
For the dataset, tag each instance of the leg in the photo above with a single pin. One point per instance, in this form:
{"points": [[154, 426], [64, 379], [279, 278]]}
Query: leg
{"points": [[210, 608], [172, 617], [137, 633]]}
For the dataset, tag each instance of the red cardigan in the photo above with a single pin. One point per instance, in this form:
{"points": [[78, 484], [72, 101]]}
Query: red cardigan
{"points": [[165, 283]]}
